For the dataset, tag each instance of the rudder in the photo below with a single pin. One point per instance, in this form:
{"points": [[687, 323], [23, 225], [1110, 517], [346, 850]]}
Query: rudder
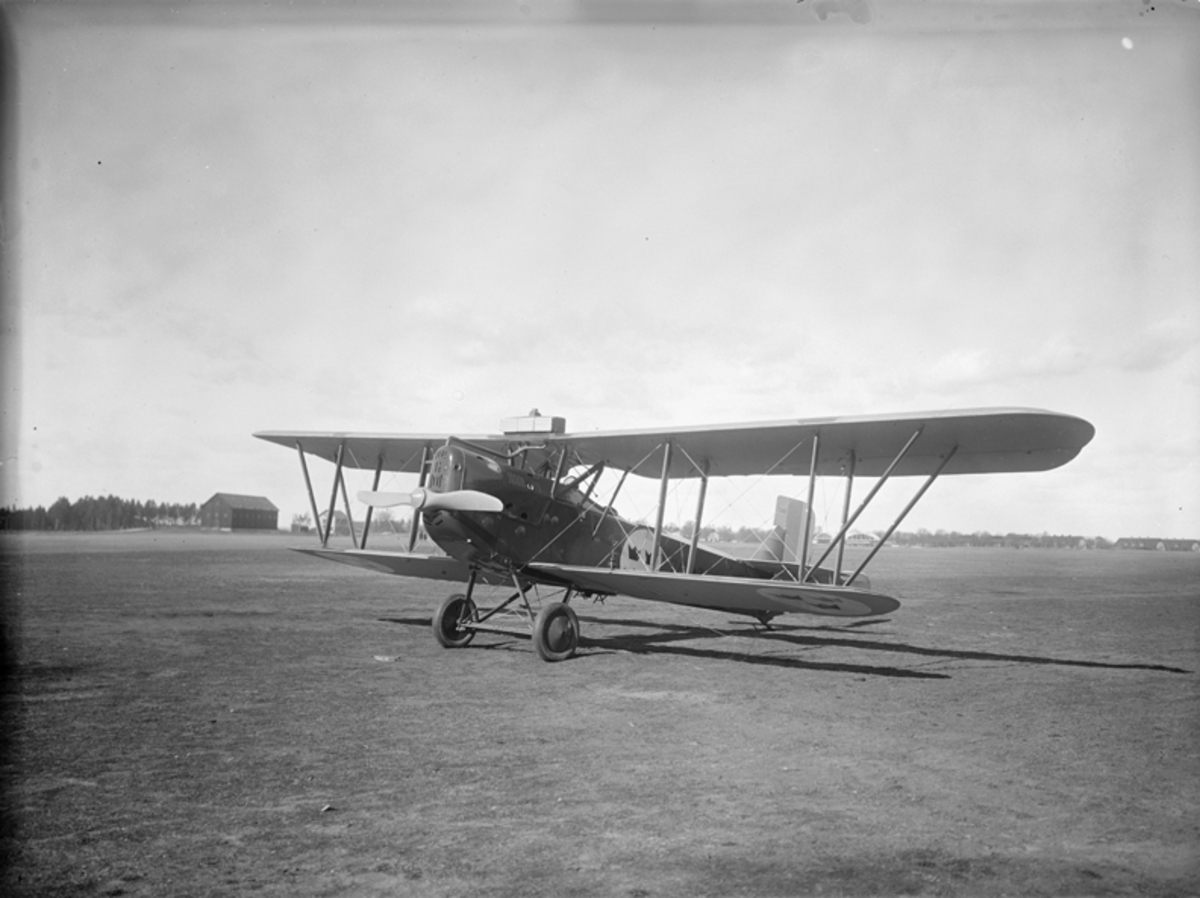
{"points": [[788, 533]]}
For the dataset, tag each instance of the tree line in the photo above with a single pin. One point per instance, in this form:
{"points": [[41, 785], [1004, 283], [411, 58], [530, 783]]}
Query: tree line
{"points": [[114, 513], [923, 538], [101, 513]]}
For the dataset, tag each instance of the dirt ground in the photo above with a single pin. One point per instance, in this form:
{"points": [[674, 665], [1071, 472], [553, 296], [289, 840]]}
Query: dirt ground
{"points": [[203, 714]]}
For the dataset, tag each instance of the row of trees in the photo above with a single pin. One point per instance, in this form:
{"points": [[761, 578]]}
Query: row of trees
{"points": [[382, 520], [922, 537], [114, 513], [981, 538], [100, 513]]}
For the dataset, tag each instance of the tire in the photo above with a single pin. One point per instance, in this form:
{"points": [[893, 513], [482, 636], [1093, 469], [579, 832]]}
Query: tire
{"points": [[447, 622], [556, 632]]}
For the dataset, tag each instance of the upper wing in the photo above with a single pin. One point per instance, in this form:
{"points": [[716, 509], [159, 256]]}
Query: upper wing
{"points": [[722, 593], [399, 452], [987, 441]]}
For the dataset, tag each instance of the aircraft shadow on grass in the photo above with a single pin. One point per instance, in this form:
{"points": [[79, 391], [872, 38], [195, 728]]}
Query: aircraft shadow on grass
{"points": [[666, 639]]}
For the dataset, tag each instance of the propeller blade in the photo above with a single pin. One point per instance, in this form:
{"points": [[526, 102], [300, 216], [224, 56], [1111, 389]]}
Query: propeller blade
{"points": [[462, 500], [458, 500]]}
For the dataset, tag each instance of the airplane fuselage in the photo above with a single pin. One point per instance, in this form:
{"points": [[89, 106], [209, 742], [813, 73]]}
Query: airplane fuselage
{"points": [[544, 520]]}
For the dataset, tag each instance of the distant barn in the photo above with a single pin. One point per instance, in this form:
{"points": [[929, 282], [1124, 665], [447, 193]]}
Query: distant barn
{"points": [[229, 511]]}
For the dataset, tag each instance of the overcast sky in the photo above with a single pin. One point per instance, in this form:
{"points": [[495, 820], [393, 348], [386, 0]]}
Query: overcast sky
{"points": [[430, 217]]}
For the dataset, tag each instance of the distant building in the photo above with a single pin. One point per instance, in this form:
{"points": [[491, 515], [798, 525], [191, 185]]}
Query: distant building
{"points": [[864, 540], [229, 511], [1159, 545]]}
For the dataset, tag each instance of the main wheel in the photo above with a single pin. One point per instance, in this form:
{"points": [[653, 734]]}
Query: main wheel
{"points": [[556, 632], [449, 620]]}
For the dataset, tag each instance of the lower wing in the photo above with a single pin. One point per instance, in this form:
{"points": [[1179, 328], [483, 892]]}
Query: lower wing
{"points": [[738, 594], [722, 593], [428, 567]]}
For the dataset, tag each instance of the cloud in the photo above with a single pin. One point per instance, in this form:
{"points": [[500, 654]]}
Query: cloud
{"points": [[1161, 344], [1057, 357]]}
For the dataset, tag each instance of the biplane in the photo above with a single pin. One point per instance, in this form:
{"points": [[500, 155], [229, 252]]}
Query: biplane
{"points": [[521, 509]]}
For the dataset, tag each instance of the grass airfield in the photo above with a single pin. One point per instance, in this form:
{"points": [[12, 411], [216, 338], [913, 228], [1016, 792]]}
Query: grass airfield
{"points": [[206, 714]]}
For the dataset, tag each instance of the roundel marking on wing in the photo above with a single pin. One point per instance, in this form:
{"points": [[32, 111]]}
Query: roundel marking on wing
{"points": [[820, 604]]}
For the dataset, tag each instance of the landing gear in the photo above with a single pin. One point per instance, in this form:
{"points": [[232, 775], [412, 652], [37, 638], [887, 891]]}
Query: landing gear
{"points": [[448, 623], [554, 629], [556, 632]]}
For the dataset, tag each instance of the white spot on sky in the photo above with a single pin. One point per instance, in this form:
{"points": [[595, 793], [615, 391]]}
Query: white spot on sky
{"points": [[1127, 43]]}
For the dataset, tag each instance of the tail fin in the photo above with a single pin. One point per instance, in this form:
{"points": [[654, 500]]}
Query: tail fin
{"points": [[785, 540], [783, 545]]}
